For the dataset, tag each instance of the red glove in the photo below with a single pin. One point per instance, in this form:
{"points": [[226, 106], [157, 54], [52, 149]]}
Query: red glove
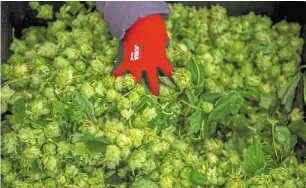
{"points": [[144, 50]]}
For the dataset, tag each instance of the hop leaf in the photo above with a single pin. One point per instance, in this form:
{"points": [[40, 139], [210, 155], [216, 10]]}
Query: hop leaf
{"points": [[254, 159]]}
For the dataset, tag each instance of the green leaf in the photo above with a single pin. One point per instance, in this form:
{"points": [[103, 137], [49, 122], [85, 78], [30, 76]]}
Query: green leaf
{"points": [[293, 142], [195, 121], [19, 109], [236, 144], [260, 124], [35, 167], [227, 104], [76, 112], [298, 128], [165, 80], [94, 143], [191, 97], [82, 102], [251, 93], [254, 159], [161, 120], [210, 97], [109, 174], [298, 101], [177, 27], [94, 146], [193, 69], [59, 108], [263, 49], [239, 120], [210, 128], [197, 177], [287, 92], [189, 43], [283, 136], [304, 93], [144, 183], [248, 35], [267, 101], [79, 137], [197, 76]]}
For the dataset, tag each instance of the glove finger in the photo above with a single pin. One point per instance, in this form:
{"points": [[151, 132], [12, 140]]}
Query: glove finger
{"points": [[166, 69], [136, 75], [153, 81], [120, 70]]}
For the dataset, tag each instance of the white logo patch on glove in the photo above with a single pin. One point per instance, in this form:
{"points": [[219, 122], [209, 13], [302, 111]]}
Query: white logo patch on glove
{"points": [[135, 55]]}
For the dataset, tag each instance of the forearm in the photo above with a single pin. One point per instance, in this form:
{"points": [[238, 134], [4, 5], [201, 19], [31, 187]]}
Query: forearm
{"points": [[119, 16]]}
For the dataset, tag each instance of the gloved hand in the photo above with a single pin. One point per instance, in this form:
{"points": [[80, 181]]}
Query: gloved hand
{"points": [[143, 49]]}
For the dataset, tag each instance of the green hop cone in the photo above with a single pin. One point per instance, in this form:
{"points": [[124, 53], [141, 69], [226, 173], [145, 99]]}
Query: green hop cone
{"points": [[61, 179], [112, 129], [296, 115], [139, 122], [86, 50], [45, 12], [213, 145], [182, 78], [63, 148], [207, 107], [98, 66], [71, 54], [112, 156], [39, 107], [32, 152], [71, 170], [34, 5], [167, 181], [134, 98], [87, 89], [49, 149], [52, 130], [111, 95], [9, 178], [148, 114], [80, 65], [149, 166], [64, 77], [9, 143], [64, 38], [50, 162], [137, 160], [47, 50], [6, 71], [61, 63], [81, 180], [21, 70], [123, 141], [127, 113], [36, 82], [50, 183], [6, 93], [123, 103], [6, 167], [49, 93], [136, 136], [27, 135]]}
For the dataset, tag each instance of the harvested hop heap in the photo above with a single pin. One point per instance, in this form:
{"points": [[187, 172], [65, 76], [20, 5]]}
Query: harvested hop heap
{"points": [[226, 120]]}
